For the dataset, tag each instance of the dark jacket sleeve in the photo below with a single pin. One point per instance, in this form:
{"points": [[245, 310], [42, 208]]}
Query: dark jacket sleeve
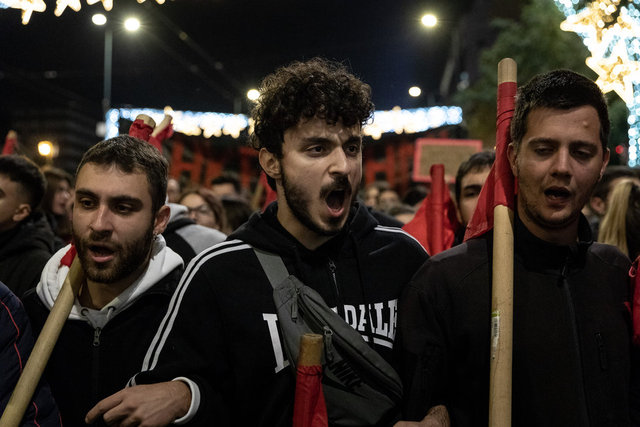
{"points": [[193, 348], [16, 343], [422, 342]]}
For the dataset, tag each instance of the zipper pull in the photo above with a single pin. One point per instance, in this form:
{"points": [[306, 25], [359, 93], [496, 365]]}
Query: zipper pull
{"points": [[328, 343], [96, 337]]}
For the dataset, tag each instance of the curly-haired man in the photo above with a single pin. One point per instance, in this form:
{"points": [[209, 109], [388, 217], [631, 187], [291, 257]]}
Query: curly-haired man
{"points": [[221, 337]]}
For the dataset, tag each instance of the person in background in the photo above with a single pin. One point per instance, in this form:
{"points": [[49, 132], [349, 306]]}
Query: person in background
{"points": [[16, 343], [56, 203], [227, 185], [26, 240], [204, 208], [471, 175], [598, 203], [236, 211], [620, 226], [173, 190]]}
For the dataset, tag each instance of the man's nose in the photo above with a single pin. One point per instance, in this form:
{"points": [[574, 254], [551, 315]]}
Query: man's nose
{"points": [[102, 219]]}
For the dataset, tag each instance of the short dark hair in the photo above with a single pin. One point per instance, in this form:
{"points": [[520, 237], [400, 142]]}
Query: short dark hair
{"points": [[130, 155], [25, 172], [228, 178], [611, 173], [561, 89], [475, 163], [315, 88]]}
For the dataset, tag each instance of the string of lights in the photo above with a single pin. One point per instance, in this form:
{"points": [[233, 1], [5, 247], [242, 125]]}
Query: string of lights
{"points": [[30, 6], [610, 30]]}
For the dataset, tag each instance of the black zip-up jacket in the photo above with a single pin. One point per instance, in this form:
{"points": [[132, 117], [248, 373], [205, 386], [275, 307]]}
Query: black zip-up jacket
{"points": [[222, 332], [571, 338]]}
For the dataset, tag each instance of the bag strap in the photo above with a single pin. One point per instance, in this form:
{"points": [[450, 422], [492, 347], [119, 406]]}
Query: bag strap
{"points": [[273, 266]]}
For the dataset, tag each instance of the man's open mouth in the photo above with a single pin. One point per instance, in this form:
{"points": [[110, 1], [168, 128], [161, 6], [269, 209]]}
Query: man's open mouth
{"points": [[100, 253], [557, 193], [335, 199]]}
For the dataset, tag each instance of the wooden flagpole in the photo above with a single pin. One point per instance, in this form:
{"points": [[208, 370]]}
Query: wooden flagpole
{"points": [[502, 297]]}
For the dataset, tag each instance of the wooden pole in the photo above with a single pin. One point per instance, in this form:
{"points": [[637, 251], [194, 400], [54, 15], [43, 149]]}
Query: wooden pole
{"points": [[43, 347], [502, 298]]}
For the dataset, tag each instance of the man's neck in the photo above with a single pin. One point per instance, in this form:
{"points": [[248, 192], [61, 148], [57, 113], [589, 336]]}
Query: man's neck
{"points": [[97, 295], [567, 235]]}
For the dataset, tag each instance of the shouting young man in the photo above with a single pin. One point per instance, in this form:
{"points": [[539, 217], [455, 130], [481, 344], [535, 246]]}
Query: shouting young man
{"points": [[130, 274]]}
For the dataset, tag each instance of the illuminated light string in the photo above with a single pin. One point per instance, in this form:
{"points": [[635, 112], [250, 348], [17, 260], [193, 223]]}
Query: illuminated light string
{"points": [[610, 31], [217, 124], [30, 6]]}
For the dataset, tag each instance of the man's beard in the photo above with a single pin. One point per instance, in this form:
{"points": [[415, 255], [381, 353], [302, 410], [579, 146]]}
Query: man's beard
{"points": [[299, 203], [127, 257]]}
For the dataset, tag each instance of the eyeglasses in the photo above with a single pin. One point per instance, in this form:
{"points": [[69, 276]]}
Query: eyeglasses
{"points": [[200, 210]]}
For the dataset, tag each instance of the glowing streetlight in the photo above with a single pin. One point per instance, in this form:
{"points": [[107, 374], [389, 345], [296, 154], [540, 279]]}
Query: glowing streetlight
{"points": [[429, 20], [99, 19], [253, 94], [415, 91], [132, 24], [45, 148]]}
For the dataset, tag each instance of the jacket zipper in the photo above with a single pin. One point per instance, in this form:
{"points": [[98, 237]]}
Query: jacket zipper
{"points": [[574, 329], [95, 365], [340, 306]]}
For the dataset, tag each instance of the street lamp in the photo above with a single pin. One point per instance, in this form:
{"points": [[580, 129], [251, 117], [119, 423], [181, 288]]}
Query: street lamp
{"points": [[429, 20], [131, 24]]}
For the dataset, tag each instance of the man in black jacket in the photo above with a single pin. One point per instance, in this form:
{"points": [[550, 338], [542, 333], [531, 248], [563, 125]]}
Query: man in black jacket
{"points": [[222, 334], [571, 331], [130, 274], [26, 240]]}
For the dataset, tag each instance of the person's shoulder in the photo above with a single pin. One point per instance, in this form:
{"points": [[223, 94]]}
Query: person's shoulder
{"points": [[228, 253], [610, 255]]}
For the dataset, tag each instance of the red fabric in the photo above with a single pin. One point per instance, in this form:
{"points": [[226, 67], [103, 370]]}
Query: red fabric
{"points": [[140, 129], [499, 188], [422, 225], [271, 195], [309, 408], [436, 201], [156, 140], [635, 301], [67, 259], [10, 142]]}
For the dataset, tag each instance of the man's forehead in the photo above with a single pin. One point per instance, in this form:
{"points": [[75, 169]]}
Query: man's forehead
{"points": [[319, 127], [90, 179]]}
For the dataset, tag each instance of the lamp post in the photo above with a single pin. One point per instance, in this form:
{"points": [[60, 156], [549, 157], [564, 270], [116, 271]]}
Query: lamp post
{"points": [[131, 25]]}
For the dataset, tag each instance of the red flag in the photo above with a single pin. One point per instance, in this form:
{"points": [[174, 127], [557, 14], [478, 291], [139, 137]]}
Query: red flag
{"points": [[10, 142], [67, 259], [156, 138], [309, 409], [499, 188], [435, 224], [140, 129]]}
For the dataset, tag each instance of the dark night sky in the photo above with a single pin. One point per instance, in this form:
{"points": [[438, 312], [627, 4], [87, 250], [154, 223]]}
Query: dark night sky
{"points": [[232, 44]]}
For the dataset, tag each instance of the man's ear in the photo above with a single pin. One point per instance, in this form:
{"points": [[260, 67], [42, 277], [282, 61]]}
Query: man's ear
{"points": [[512, 155], [22, 211], [161, 220], [270, 163]]}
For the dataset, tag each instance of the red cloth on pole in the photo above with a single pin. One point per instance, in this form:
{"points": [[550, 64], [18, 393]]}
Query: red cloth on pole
{"points": [[156, 140], [67, 259], [437, 204], [140, 129], [10, 142], [309, 409], [500, 186]]}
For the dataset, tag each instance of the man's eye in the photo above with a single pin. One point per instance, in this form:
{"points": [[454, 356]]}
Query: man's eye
{"points": [[316, 149], [85, 203], [353, 149], [582, 154], [123, 209]]}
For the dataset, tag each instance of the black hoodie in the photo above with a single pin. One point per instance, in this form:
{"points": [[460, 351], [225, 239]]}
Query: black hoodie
{"points": [[222, 333], [24, 250]]}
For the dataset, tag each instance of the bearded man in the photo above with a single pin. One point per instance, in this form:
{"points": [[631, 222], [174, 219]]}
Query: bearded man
{"points": [[222, 334], [130, 274]]}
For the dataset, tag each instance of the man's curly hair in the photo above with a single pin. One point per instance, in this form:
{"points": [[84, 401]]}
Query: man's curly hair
{"points": [[315, 88]]}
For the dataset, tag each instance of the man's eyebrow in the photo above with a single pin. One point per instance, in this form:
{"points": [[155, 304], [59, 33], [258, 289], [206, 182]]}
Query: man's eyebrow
{"points": [[82, 192]]}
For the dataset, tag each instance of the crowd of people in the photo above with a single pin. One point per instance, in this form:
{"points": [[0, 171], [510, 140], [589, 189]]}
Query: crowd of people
{"points": [[175, 319]]}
